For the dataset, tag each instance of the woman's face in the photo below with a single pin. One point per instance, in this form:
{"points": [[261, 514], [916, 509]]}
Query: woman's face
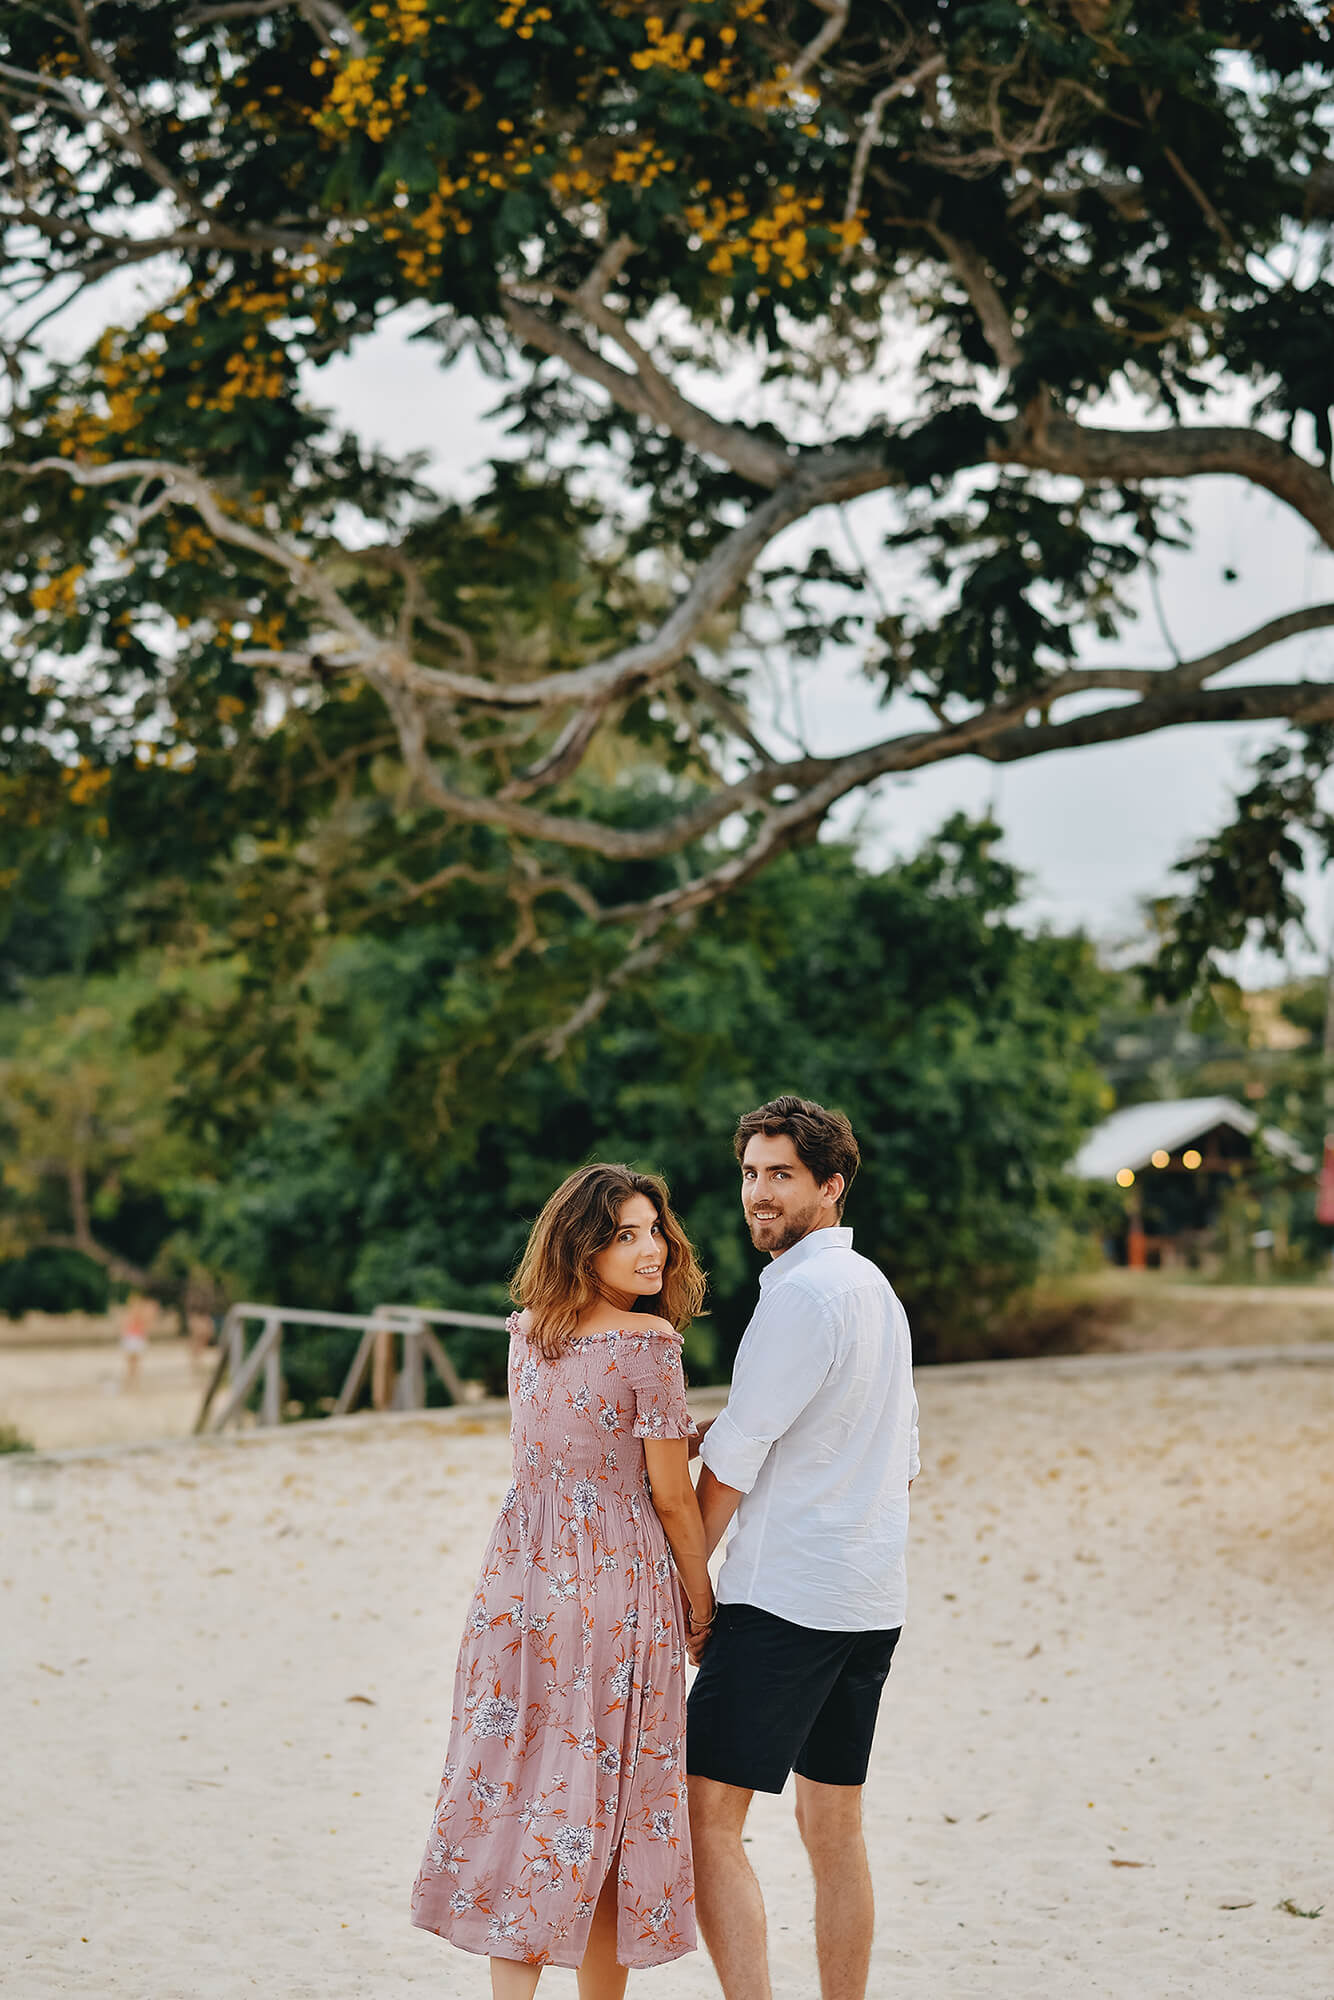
{"points": [[631, 1265]]}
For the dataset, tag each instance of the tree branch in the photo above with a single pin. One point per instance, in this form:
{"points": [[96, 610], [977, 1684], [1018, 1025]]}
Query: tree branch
{"points": [[118, 1268], [1083, 451], [869, 135], [1301, 702], [820, 45], [1193, 673], [196, 492], [1170, 696], [1053, 444], [644, 391], [325, 18], [972, 273]]}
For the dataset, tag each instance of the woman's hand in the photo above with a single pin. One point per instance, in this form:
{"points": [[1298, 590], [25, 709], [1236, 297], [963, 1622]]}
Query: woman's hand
{"points": [[697, 1630]]}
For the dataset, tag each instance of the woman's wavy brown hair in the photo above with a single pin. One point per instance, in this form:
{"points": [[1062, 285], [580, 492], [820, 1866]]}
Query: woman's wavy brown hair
{"points": [[555, 1280]]}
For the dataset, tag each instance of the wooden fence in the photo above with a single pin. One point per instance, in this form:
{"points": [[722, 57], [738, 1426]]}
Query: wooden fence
{"points": [[398, 1381]]}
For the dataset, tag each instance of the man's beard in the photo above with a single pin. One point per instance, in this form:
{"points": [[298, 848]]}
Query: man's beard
{"points": [[789, 1229]]}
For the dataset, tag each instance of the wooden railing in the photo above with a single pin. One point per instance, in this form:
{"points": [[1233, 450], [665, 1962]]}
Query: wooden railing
{"points": [[397, 1382]]}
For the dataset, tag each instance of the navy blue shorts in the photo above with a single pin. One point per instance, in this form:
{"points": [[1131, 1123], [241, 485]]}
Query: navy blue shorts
{"points": [[771, 1697]]}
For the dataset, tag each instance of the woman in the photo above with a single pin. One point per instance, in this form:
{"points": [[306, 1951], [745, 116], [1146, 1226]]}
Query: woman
{"points": [[560, 1834]]}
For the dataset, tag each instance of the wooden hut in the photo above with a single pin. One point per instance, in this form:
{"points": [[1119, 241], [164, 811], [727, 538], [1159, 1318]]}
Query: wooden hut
{"points": [[1175, 1162]]}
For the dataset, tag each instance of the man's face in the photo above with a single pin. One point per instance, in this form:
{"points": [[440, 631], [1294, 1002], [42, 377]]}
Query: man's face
{"points": [[781, 1197]]}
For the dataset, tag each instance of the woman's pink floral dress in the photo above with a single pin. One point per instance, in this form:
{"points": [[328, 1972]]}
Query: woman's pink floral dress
{"points": [[568, 1737]]}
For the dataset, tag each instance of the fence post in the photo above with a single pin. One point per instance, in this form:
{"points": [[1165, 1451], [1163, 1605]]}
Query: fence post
{"points": [[444, 1367], [248, 1374], [271, 1411], [410, 1393], [382, 1369], [220, 1367]]}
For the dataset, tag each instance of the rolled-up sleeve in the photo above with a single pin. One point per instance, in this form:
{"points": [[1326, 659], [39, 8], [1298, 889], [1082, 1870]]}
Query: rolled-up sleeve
{"points": [[788, 1351]]}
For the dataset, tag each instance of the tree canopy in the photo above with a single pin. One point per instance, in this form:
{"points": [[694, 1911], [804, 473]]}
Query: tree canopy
{"points": [[959, 1045], [1028, 271]]}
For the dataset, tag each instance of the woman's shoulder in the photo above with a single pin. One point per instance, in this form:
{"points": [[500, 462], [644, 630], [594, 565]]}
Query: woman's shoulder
{"points": [[648, 1326], [634, 1328]]}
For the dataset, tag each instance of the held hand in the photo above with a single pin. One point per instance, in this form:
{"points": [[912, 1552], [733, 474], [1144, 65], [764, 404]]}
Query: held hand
{"points": [[697, 1440], [697, 1631]]}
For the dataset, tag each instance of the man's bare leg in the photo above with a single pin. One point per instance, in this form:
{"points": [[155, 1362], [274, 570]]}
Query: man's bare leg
{"points": [[829, 1818], [727, 1895]]}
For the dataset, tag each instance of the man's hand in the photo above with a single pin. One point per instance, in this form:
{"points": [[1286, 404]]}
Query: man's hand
{"points": [[698, 1439], [696, 1642]]}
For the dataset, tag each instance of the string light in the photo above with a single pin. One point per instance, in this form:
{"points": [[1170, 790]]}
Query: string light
{"points": [[1125, 1178], [1192, 1159], [1160, 1158]]}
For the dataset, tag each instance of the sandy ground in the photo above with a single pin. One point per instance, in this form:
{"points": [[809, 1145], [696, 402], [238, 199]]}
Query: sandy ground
{"points": [[62, 1378], [1103, 1760], [68, 1395]]}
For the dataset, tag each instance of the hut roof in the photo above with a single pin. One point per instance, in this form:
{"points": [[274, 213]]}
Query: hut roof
{"points": [[1131, 1137]]}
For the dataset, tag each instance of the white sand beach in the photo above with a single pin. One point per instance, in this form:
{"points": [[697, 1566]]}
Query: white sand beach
{"points": [[1103, 1761]]}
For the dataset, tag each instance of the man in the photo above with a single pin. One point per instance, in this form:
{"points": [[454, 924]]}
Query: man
{"points": [[814, 1455]]}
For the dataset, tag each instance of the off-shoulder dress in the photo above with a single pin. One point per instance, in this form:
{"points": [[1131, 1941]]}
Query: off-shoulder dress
{"points": [[567, 1743]]}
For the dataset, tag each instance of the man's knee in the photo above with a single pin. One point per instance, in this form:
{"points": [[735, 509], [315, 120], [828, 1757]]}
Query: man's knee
{"points": [[829, 1817], [717, 1811]]}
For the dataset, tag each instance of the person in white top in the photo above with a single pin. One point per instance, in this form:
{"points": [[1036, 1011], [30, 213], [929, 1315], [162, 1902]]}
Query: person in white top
{"points": [[813, 1456]]}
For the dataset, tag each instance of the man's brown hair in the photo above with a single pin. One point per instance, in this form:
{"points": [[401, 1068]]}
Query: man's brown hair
{"points": [[822, 1140], [555, 1279]]}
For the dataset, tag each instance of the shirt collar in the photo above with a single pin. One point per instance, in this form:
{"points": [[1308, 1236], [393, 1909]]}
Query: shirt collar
{"points": [[808, 1246]]}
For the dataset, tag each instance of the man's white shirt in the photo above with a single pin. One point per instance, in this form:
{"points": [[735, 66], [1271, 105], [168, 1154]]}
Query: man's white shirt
{"points": [[820, 1437]]}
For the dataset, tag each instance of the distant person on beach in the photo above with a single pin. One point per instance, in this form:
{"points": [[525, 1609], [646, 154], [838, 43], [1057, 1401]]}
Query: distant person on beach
{"points": [[810, 1461], [134, 1328], [560, 1834]]}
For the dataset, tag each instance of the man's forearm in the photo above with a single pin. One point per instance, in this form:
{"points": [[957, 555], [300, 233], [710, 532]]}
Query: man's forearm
{"points": [[717, 1504]]}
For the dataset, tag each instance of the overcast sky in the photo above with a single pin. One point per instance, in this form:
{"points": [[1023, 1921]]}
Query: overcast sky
{"points": [[1095, 830]]}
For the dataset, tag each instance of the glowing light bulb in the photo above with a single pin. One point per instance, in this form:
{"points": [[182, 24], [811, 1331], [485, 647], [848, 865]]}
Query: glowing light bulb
{"points": [[1192, 1159], [1160, 1158], [1125, 1178]]}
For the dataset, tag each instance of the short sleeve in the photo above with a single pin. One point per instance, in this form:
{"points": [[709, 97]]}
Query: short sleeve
{"points": [[660, 1390]]}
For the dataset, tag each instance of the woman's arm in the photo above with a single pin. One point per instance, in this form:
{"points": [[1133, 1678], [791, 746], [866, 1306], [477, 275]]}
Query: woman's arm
{"points": [[674, 1502]]}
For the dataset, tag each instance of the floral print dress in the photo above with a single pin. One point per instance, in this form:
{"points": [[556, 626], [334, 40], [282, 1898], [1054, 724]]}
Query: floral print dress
{"points": [[567, 1743]]}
